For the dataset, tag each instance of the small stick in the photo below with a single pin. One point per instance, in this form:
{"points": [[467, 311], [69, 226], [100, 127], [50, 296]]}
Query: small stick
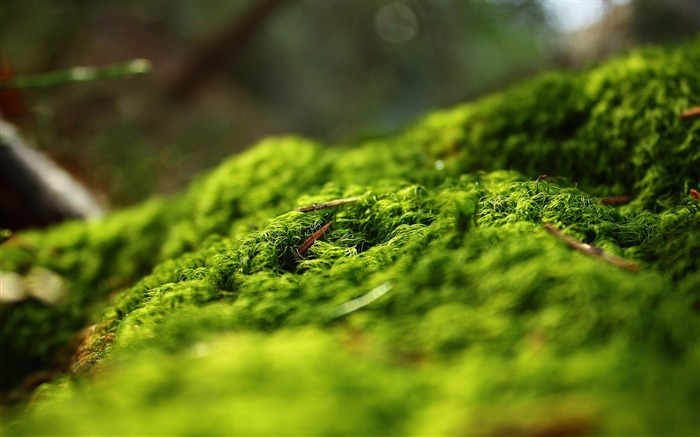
{"points": [[330, 204], [694, 194], [79, 74], [690, 113], [312, 239], [615, 200], [541, 177], [589, 250]]}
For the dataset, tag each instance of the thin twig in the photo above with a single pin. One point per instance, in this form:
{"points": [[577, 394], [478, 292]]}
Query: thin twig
{"points": [[330, 204], [79, 74], [312, 239], [690, 113], [615, 200], [541, 177], [364, 300], [589, 250]]}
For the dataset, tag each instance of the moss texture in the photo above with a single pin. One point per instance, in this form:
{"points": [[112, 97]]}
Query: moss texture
{"points": [[208, 321]]}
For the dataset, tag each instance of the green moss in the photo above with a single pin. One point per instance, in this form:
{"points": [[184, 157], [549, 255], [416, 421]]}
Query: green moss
{"points": [[490, 324]]}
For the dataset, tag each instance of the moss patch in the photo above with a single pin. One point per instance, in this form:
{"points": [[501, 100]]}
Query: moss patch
{"points": [[209, 321]]}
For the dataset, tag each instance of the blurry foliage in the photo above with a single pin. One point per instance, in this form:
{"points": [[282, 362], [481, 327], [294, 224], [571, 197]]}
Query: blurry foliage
{"points": [[456, 50], [334, 70], [338, 71]]}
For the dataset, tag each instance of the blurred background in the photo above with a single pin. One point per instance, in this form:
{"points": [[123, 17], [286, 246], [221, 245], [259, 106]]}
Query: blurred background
{"points": [[229, 72]]}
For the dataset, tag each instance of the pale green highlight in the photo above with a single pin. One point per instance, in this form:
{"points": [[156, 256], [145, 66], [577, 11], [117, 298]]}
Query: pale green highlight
{"points": [[79, 74]]}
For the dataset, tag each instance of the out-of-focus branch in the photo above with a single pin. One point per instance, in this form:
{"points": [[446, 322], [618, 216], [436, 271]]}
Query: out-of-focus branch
{"points": [[222, 49], [78, 74], [34, 191]]}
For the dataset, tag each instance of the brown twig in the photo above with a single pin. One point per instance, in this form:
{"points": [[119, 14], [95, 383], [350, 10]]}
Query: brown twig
{"points": [[541, 177], [330, 204], [312, 239], [589, 250], [690, 113], [615, 200]]}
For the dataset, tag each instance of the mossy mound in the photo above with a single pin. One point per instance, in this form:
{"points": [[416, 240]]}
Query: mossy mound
{"points": [[436, 303]]}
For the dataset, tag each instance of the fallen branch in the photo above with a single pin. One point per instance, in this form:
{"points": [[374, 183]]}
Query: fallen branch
{"points": [[223, 49], [589, 250]]}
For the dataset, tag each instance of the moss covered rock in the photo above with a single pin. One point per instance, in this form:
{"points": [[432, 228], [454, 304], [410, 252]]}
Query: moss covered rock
{"points": [[434, 302]]}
